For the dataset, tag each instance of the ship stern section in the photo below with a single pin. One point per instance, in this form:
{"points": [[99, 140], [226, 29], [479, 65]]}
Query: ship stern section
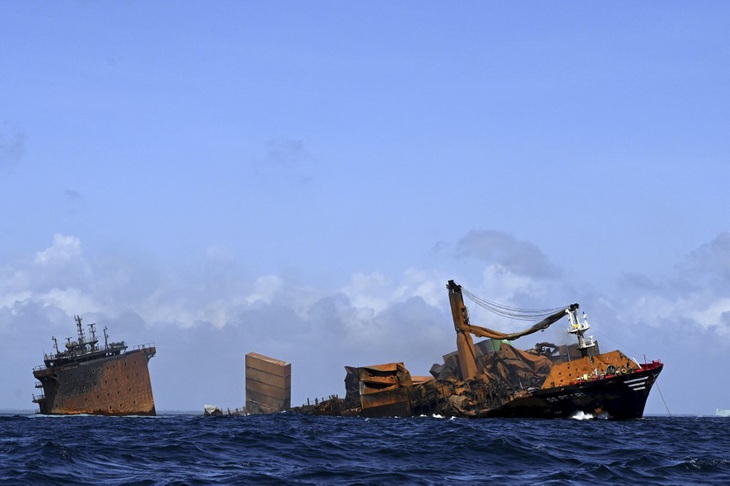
{"points": [[115, 385]]}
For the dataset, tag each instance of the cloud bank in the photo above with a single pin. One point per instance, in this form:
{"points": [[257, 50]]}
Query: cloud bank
{"points": [[204, 323]]}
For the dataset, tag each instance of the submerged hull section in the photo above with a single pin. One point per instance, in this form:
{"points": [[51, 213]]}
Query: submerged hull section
{"points": [[110, 385]]}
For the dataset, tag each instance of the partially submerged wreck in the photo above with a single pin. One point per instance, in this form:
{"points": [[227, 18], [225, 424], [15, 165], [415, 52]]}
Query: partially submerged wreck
{"points": [[90, 378], [268, 388], [492, 378]]}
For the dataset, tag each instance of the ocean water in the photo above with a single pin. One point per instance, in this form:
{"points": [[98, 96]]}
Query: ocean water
{"points": [[298, 449]]}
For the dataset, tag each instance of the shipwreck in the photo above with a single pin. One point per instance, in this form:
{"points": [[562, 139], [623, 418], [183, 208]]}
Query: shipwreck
{"points": [[90, 378], [492, 378]]}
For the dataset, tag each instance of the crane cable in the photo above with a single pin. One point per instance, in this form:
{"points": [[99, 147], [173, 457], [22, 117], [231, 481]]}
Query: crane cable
{"points": [[511, 312]]}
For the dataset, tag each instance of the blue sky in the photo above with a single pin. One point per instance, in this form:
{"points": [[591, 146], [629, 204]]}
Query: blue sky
{"points": [[302, 179]]}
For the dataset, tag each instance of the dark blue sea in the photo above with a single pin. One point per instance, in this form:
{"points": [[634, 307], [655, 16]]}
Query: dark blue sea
{"points": [[298, 449]]}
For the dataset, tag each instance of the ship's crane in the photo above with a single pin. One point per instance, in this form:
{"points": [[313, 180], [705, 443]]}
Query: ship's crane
{"points": [[464, 329]]}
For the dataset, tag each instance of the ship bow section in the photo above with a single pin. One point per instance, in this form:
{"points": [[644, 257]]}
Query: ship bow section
{"points": [[631, 392], [620, 396]]}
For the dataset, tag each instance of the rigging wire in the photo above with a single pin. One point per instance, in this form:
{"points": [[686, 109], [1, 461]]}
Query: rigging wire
{"points": [[511, 312], [656, 384]]}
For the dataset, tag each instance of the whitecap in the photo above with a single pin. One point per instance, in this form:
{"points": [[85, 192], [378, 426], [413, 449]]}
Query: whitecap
{"points": [[581, 415]]}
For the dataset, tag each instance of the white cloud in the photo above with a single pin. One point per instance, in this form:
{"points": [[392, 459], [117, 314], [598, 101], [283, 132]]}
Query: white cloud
{"points": [[693, 297], [705, 311], [70, 300], [377, 292], [265, 289], [370, 291], [10, 300], [63, 249], [713, 315], [58, 278], [502, 284], [425, 284], [360, 313]]}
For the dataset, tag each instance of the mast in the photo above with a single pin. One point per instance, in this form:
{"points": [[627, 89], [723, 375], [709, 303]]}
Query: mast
{"points": [[79, 330], [587, 345], [93, 343]]}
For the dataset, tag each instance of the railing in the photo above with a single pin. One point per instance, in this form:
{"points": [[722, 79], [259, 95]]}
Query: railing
{"points": [[144, 346]]}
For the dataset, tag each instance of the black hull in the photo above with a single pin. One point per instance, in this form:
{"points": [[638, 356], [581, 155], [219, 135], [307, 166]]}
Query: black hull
{"points": [[620, 396]]}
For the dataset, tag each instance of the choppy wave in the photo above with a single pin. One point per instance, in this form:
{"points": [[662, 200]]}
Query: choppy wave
{"points": [[289, 448]]}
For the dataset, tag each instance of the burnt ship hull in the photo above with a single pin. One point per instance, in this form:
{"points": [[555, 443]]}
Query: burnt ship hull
{"points": [[492, 378], [388, 390], [111, 385], [619, 397]]}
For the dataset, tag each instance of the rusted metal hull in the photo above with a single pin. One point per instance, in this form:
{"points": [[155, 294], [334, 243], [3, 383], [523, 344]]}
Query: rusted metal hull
{"points": [[513, 384], [112, 385], [385, 390], [494, 379], [268, 384]]}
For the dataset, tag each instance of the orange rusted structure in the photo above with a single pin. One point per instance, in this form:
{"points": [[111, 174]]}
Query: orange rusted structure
{"points": [[268, 384], [384, 390], [88, 378], [494, 379]]}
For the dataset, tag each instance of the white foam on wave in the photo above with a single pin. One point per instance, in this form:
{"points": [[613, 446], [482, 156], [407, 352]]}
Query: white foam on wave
{"points": [[582, 416]]}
